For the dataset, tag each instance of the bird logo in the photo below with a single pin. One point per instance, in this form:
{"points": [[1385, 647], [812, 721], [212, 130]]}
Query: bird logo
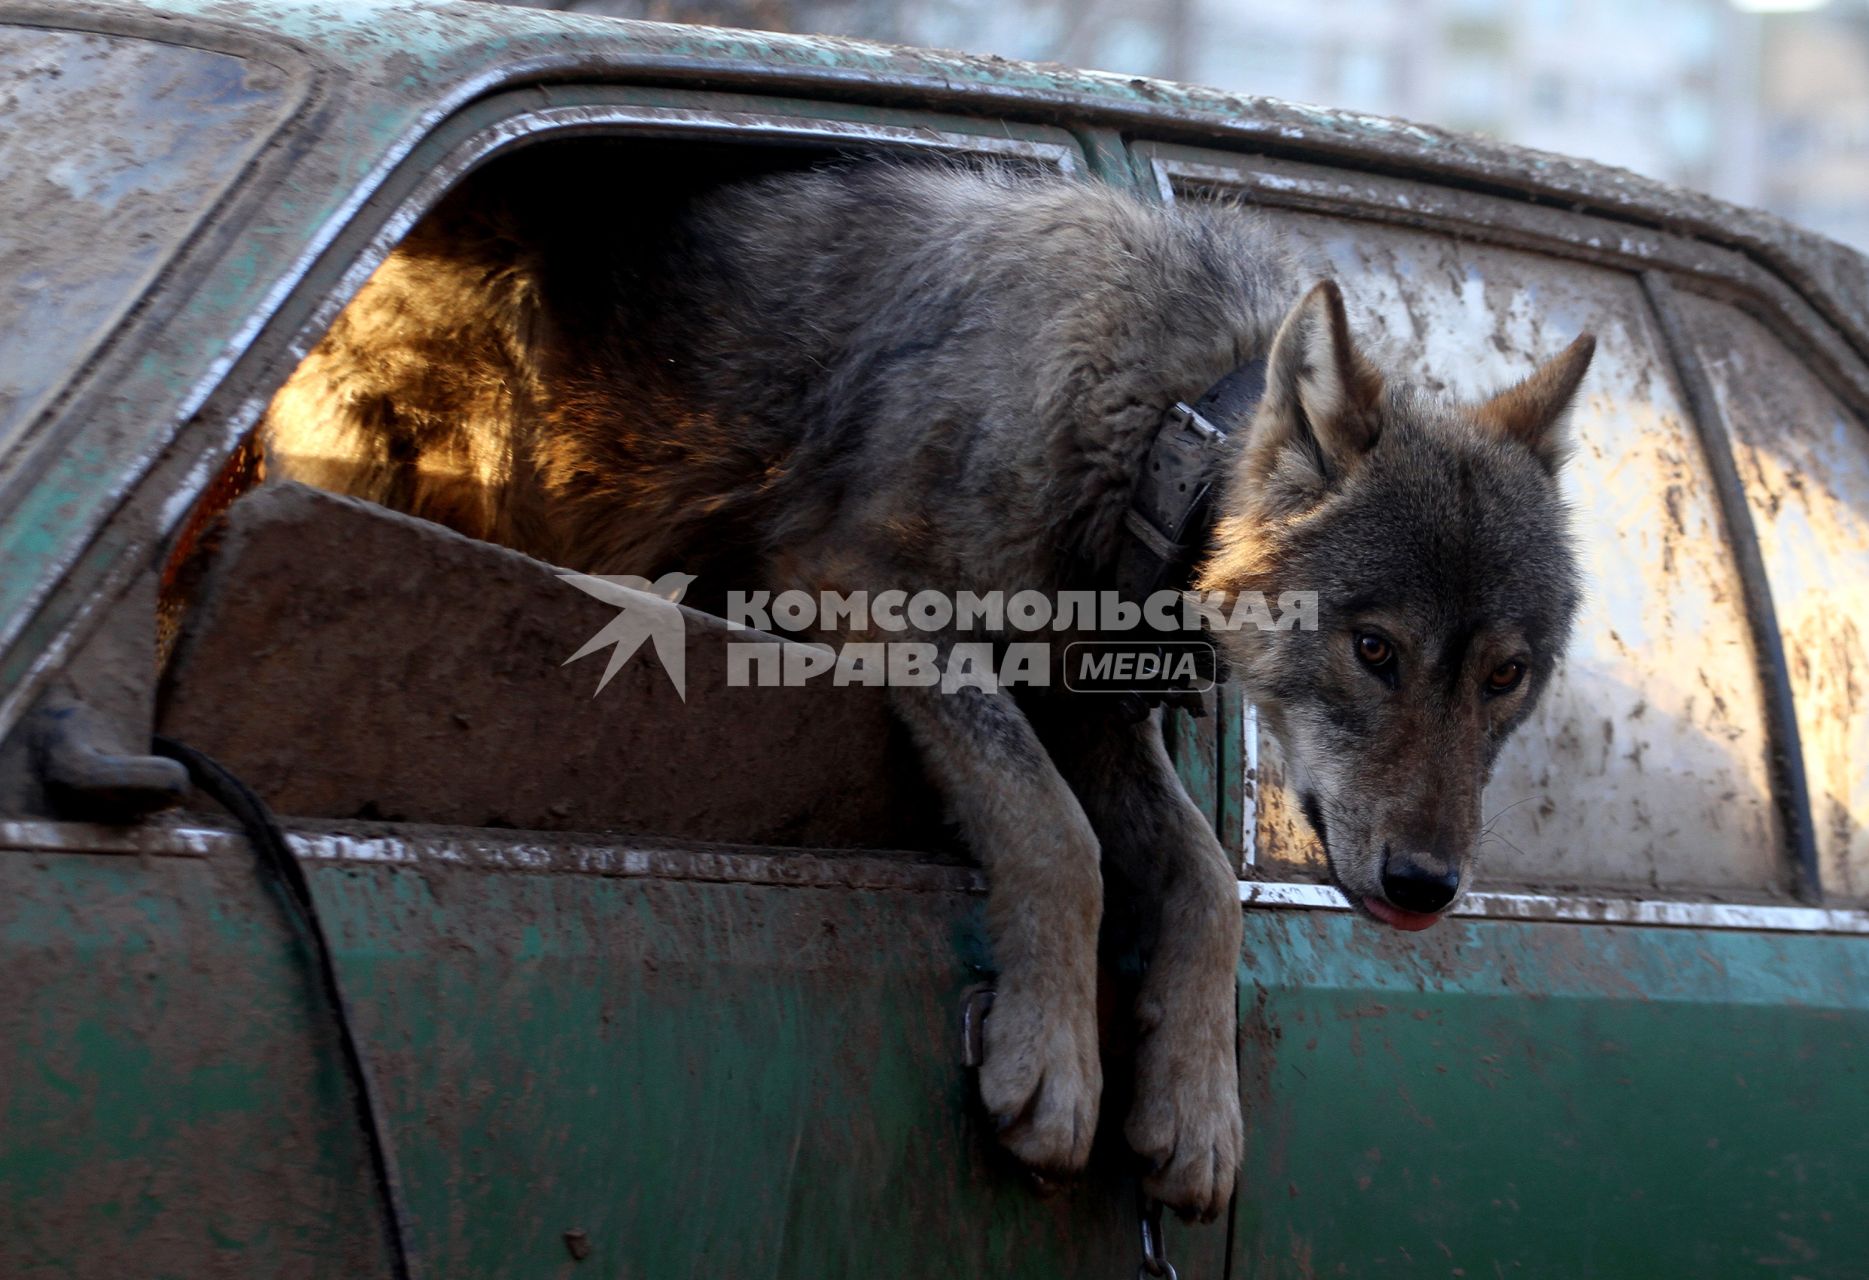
{"points": [[646, 611]]}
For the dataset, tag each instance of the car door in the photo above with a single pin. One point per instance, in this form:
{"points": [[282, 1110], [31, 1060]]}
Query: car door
{"points": [[1634, 1049]]}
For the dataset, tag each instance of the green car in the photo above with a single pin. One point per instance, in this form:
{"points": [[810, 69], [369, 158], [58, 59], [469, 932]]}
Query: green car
{"points": [[643, 986]]}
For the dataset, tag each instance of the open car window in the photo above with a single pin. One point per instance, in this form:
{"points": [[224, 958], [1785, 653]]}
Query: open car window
{"points": [[411, 674]]}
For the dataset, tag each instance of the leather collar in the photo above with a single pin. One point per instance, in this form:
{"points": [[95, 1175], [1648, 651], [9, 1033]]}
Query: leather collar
{"points": [[1171, 506]]}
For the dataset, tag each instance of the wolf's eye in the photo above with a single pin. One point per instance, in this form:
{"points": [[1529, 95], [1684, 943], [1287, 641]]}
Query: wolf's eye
{"points": [[1375, 652], [1505, 677]]}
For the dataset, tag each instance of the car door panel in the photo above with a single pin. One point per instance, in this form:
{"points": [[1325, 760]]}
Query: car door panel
{"points": [[1551, 1099]]}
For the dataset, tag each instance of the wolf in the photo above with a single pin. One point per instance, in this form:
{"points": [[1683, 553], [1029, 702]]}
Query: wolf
{"points": [[888, 374]]}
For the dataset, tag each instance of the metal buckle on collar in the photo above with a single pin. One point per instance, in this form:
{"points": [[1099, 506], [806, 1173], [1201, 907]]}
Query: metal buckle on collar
{"points": [[1191, 417]]}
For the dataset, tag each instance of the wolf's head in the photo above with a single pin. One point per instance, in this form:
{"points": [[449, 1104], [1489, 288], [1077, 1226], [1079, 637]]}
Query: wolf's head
{"points": [[1435, 538]]}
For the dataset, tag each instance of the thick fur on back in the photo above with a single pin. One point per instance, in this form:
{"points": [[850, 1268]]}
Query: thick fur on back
{"points": [[808, 361]]}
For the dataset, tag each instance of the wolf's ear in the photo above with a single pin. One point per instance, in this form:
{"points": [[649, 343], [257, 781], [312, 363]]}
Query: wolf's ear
{"points": [[1322, 397], [1532, 413]]}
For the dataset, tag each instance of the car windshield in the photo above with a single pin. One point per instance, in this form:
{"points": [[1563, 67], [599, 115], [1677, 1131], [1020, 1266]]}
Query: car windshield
{"points": [[111, 151]]}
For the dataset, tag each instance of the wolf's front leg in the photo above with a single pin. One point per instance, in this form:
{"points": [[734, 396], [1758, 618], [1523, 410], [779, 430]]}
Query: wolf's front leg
{"points": [[1186, 1116], [1041, 1078]]}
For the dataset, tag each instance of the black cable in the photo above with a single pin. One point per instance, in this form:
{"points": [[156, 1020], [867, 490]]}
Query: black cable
{"points": [[269, 841]]}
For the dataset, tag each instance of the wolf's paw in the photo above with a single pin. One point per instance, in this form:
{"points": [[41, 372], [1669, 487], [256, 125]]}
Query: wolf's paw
{"points": [[1041, 1078], [1186, 1124]]}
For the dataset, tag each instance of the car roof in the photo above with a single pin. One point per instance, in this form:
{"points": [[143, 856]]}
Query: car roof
{"points": [[433, 54]]}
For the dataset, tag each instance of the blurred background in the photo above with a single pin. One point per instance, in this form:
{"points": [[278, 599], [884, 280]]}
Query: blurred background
{"points": [[1763, 102]]}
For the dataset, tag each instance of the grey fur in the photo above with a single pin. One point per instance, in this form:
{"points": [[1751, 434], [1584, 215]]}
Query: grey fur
{"points": [[904, 376]]}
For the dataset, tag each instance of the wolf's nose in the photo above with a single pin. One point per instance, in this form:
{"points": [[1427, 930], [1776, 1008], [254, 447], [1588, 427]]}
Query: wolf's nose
{"points": [[1412, 887]]}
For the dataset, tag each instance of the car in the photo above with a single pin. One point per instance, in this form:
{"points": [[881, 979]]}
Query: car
{"points": [[648, 985]]}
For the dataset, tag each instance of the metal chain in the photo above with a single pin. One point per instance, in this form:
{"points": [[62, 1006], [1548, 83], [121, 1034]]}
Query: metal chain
{"points": [[1155, 1264]]}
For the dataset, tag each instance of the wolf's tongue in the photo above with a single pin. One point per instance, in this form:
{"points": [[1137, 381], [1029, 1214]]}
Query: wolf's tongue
{"points": [[1396, 918]]}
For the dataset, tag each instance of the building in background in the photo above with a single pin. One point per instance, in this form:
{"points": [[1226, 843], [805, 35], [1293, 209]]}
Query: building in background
{"points": [[1814, 106], [1763, 102]]}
